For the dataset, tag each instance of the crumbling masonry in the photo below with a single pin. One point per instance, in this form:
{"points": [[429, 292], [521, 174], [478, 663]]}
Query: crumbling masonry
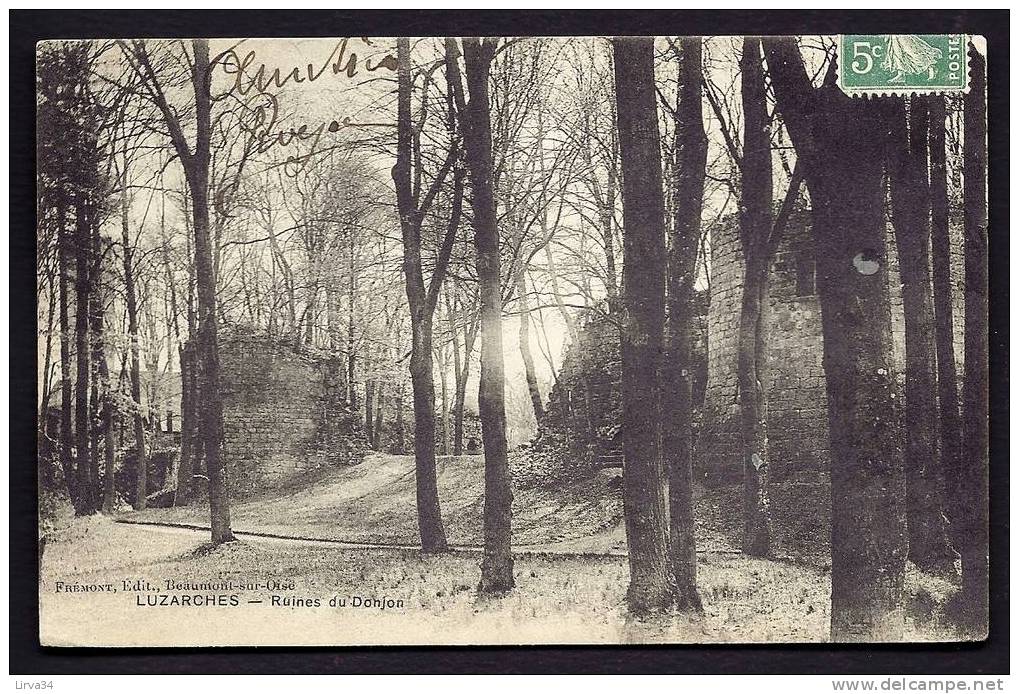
{"points": [[284, 415], [797, 397]]}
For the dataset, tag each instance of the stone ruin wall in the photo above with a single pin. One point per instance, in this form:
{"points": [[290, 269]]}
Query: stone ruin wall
{"points": [[582, 423], [583, 411], [797, 397], [283, 413]]}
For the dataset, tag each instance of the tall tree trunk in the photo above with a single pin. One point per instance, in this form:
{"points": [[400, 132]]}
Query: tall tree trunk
{"points": [[944, 320], [351, 354], [141, 469], [95, 415], [109, 438], [841, 143], [191, 444], [380, 401], [652, 586], [524, 341], [82, 357], [188, 424], [433, 536], [47, 369], [210, 406], [333, 314], [310, 312], [153, 387], [170, 306], [755, 232], [399, 446], [606, 215], [971, 485], [369, 410], [929, 548], [470, 337], [457, 376], [421, 302], [399, 428], [103, 385], [497, 564], [444, 401], [65, 241], [677, 439]]}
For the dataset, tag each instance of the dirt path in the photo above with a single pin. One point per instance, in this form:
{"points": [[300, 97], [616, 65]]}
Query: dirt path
{"points": [[561, 549]]}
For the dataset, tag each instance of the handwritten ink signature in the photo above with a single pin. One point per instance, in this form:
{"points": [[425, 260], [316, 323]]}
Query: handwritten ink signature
{"points": [[260, 84], [263, 123], [246, 77]]}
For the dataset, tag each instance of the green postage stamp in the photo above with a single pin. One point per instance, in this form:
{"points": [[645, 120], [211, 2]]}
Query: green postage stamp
{"points": [[884, 64]]}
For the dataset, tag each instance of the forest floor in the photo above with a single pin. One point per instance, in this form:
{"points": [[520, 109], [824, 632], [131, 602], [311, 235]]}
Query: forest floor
{"points": [[558, 598], [570, 568]]}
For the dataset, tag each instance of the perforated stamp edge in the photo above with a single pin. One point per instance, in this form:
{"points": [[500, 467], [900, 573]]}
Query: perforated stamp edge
{"points": [[977, 41]]}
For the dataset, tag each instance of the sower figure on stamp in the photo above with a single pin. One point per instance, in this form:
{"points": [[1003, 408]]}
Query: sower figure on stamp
{"points": [[905, 54]]}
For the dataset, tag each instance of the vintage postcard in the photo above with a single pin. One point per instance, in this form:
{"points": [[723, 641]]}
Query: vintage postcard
{"points": [[512, 340]]}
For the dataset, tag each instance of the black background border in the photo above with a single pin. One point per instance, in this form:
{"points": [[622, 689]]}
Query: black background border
{"points": [[28, 657]]}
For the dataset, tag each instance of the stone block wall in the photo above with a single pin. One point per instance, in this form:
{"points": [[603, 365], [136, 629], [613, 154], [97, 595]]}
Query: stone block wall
{"points": [[717, 443], [797, 395], [283, 413]]}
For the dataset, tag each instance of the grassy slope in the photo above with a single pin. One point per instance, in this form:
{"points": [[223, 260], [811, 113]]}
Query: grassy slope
{"points": [[375, 502]]}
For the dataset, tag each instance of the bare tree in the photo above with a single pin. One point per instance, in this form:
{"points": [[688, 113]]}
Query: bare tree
{"points": [[413, 206], [756, 191], [841, 142], [909, 189], [950, 422], [104, 391], [497, 564], [690, 151], [196, 169], [141, 471], [652, 586], [55, 69], [970, 486], [524, 341], [72, 185], [463, 318], [64, 241], [82, 352]]}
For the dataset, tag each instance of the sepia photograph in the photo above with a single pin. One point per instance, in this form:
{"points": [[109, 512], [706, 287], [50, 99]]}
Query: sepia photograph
{"points": [[512, 340]]}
